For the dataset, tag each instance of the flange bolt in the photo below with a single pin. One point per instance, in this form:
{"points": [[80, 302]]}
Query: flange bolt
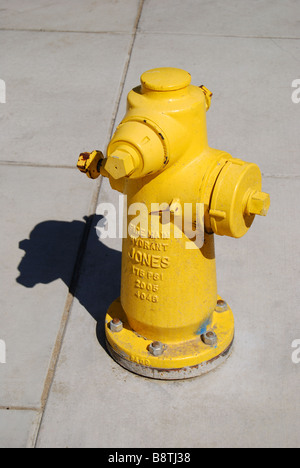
{"points": [[116, 325], [221, 306], [156, 348], [209, 338]]}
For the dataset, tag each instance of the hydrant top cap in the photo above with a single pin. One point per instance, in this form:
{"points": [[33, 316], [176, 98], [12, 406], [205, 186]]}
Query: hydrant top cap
{"points": [[165, 79]]}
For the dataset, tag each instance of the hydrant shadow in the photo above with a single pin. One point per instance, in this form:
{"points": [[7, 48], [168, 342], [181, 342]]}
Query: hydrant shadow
{"points": [[91, 271]]}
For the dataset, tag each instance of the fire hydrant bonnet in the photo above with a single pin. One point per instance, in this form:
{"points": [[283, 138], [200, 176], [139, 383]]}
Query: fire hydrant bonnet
{"points": [[165, 79]]}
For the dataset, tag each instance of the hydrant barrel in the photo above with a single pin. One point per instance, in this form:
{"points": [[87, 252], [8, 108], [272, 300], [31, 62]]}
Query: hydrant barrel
{"points": [[168, 292], [169, 321]]}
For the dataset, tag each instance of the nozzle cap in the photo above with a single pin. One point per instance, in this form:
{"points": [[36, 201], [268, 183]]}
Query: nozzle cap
{"points": [[120, 164]]}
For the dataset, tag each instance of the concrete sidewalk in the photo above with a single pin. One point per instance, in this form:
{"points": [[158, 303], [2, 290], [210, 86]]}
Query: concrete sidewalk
{"points": [[68, 67]]}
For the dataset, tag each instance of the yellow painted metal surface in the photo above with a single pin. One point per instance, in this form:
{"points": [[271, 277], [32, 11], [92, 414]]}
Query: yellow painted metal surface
{"points": [[90, 164], [159, 155], [178, 354]]}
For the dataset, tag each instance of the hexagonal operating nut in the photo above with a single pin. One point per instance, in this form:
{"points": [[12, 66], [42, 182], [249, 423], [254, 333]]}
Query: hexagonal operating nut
{"points": [[209, 338], [258, 203], [120, 164], [156, 348], [116, 325]]}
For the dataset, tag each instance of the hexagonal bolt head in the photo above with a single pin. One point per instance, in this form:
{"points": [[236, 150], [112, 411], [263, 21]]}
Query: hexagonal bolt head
{"points": [[156, 348], [221, 306], [258, 203], [120, 164], [209, 338], [116, 325]]}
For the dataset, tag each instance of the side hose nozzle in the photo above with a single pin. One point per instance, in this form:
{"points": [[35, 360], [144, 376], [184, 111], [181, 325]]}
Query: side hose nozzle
{"points": [[136, 150]]}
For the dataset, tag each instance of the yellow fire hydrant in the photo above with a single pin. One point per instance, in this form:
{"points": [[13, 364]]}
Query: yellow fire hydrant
{"points": [[170, 322]]}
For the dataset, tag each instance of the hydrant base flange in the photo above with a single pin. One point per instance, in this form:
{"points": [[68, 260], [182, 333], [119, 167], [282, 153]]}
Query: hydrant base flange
{"points": [[178, 361]]}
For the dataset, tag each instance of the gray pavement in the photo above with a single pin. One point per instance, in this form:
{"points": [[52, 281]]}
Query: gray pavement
{"points": [[68, 67]]}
